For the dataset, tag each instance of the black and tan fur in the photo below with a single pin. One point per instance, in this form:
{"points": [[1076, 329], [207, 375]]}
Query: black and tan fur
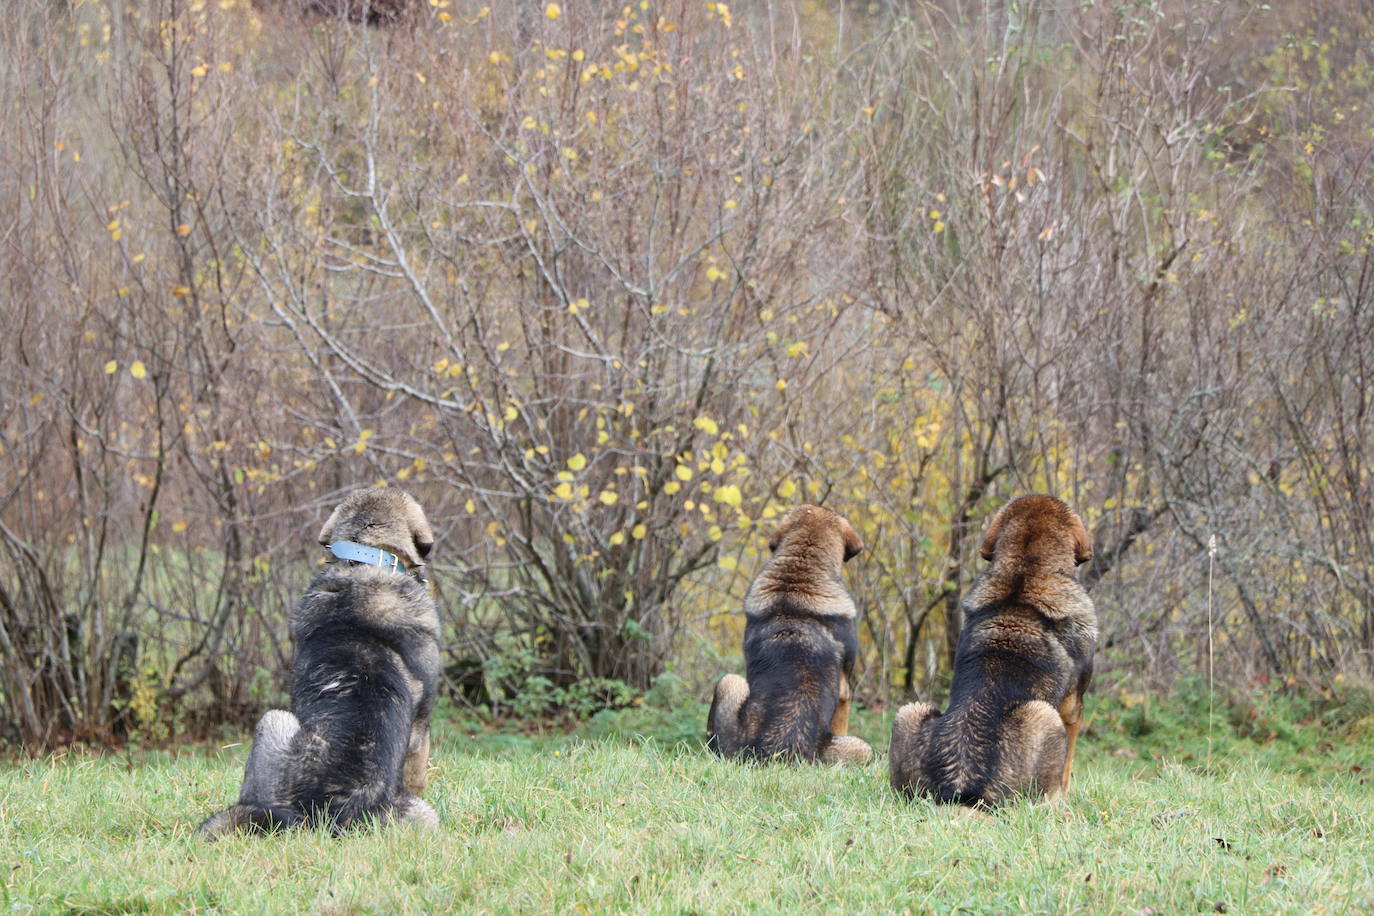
{"points": [[355, 744], [1023, 661], [800, 640]]}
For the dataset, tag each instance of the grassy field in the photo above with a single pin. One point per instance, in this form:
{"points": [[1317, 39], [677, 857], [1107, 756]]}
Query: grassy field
{"points": [[631, 814]]}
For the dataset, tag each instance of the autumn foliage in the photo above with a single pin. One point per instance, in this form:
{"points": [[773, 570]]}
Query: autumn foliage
{"points": [[608, 290]]}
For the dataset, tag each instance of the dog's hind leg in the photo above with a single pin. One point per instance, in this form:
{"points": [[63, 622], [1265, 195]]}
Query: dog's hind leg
{"points": [[724, 724], [1071, 713], [260, 804], [1036, 752], [839, 723], [411, 809], [904, 752], [846, 749], [415, 775], [265, 773]]}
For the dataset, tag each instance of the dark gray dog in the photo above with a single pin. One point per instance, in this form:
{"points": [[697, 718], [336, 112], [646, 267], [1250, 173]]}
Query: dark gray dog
{"points": [[355, 744]]}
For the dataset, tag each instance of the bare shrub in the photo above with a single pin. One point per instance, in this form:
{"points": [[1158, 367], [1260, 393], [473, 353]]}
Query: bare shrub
{"points": [[609, 289]]}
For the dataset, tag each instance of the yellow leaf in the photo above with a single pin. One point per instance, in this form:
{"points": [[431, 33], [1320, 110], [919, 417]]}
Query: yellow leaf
{"points": [[470, 507], [671, 487], [683, 472], [787, 490], [638, 532], [563, 491], [199, 70], [715, 533], [181, 292], [138, 370], [178, 527], [617, 539], [706, 425], [608, 497], [183, 229], [552, 11], [728, 494], [577, 462], [728, 563], [111, 367], [781, 385]]}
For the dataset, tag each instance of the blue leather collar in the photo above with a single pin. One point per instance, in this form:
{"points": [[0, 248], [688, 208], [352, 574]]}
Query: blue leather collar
{"points": [[368, 556]]}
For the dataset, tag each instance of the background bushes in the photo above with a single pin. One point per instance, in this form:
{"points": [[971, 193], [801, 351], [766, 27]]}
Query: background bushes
{"points": [[608, 291]]}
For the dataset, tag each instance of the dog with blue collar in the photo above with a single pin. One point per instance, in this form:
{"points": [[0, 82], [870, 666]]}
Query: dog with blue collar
{"points": [[354, 746]]}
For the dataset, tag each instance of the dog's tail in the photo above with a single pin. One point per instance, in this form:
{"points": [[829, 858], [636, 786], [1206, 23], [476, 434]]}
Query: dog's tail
{"points": [[256, 818], [725, 723]]}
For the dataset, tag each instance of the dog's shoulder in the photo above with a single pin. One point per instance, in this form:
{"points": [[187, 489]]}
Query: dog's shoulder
{"points": [[365, 596], [789, 585], [1055, 595]]}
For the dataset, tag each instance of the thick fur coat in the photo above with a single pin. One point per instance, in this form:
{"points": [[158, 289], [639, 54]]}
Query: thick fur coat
{"points": [[355, 744], [800, 640], [1023, 662]]}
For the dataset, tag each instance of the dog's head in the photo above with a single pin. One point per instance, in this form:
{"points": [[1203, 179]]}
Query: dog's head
{"points": [[382, 517], [813, 526], [1037, 527]]}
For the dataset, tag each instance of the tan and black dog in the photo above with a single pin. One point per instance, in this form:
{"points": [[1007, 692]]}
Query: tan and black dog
{"points": [[355, 744], [1024, 659], [800, 640]]}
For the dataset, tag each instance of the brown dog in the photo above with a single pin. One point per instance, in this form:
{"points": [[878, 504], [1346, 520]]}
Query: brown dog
{"points": [[799, 645], [1023, 661]]}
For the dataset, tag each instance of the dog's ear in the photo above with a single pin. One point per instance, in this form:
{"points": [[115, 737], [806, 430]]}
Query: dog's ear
{"points": [[327, 532], [853, 544], [421, 534], [776, 539], [989, 546], [1082, 546]]}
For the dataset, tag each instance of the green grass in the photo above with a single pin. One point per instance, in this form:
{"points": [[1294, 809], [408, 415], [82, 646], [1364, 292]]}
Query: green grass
{"points": [[632, 814]]}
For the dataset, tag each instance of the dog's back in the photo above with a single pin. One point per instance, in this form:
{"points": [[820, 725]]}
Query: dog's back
{"points": [[366, 670], [1010, 678], [796, 659]]}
